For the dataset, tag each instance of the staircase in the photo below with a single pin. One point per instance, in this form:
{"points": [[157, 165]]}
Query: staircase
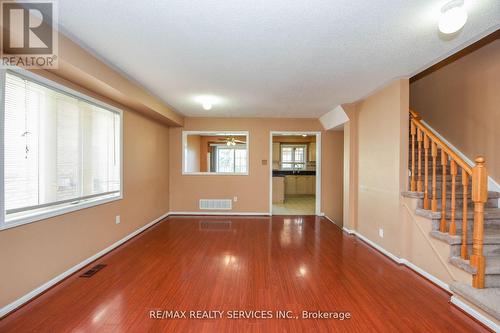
{"points": [[445, 185]]}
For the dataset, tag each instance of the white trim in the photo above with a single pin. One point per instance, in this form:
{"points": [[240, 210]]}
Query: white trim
{"points": [[62, 88], [492, 184], [379, 248], [56, 211], [318, 166], [2, 137], [474, 313], [221, 213], [214, 133], [67, 208], [425, 274], [349, 231], [401, 261], [35, 292], [331, 220]]}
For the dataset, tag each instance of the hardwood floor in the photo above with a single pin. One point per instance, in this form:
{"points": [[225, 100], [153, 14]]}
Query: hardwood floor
{"points": [[243, 263]]}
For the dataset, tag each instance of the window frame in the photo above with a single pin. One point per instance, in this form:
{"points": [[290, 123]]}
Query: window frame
{"points": [[214, 133], [35, 215], [233, 148], [293, 162]]}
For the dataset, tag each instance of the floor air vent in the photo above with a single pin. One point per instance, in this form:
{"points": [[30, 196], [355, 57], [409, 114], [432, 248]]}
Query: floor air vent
{"points": [[93, 270], [215, 204]]}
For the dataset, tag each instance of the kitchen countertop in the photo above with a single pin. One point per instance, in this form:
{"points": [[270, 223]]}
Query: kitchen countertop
{"points": [[283, 173]]}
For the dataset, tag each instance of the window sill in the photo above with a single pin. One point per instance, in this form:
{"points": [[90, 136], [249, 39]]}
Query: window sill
{"points": [[215, 173], [19, 219]]}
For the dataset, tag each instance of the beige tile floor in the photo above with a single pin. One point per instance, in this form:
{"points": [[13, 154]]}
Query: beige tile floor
{"points": [[296, 205]]}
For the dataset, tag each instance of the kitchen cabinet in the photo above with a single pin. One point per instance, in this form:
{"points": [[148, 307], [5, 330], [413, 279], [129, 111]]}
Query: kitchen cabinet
{"points": [[291, 185], [278, 189], [311, 185], [312, 152], [276, 151], [300, 185]]}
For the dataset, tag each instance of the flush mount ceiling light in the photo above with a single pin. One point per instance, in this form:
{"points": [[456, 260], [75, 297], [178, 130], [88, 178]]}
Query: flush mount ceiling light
{"points": [[207, 106], [207, 101], [453, 17]]}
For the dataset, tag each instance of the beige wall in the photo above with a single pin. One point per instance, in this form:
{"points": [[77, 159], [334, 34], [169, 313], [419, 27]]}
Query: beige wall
{"points": [[82, 68], [462, 102], [382, 150], [332, 172], [37, 252], [252, 190], [193, 153], [350, 183]]}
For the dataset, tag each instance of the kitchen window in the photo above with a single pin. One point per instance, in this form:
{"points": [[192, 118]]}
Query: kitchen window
{"points": [[293, 157], [61, 150]]}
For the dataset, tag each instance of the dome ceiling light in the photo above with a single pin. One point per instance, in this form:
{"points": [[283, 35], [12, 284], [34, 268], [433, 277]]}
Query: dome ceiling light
{"points": [[453, 17]]}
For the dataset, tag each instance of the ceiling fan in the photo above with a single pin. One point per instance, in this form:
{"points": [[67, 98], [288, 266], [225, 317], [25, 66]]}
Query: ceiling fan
{"points": [[231, 141]]}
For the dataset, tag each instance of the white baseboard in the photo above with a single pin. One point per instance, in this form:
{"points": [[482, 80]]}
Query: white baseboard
{"points": [[425, 274], [401, 261], [221, 213], [349, 231], [20, 301], [474, 313], [378, 248], [328, 218], [454, 300]]}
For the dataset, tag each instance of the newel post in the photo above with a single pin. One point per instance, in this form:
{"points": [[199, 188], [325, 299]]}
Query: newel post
{"points": [[479, 197]]}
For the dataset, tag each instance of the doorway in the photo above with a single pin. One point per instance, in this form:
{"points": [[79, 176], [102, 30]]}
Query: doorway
{"points": [[295, 184]]}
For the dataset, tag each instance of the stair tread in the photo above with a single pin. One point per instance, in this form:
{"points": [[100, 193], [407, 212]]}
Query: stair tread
{"points": [[486, 299], [492, 264], [489, 214], [491, 236], [491, 194]]}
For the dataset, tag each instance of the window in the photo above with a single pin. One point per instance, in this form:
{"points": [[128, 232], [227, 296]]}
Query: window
{"points": [[293, 157], [61, 150], [233, 160], [215, 153]]}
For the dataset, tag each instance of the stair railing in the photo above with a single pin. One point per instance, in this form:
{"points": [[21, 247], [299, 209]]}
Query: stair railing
{"points": [[425, 143]]}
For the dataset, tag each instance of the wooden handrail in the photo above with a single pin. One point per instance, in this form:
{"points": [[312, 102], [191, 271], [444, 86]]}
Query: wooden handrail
{"points": [[425, 139], [460, 161]]}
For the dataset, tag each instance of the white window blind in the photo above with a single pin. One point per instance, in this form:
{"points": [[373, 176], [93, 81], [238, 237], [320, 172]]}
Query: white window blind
{"points": [[58, 148]]}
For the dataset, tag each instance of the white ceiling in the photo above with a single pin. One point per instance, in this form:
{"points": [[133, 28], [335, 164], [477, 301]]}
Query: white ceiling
{"points": [[268, 58]]}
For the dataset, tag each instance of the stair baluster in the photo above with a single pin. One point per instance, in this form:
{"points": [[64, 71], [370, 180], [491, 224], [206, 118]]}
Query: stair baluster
{"points": [[444, 163], [413, 132], [453, 172], [434, 153], [426, 172], [465, 185], [419, 160]]}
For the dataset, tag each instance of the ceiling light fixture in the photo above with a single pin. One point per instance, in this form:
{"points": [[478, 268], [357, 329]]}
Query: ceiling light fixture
{"points": [[453, 17], [304, 135], [207, 106], [207, 102]]}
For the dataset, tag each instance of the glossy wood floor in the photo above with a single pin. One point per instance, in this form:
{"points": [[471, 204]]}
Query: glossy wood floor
{"points": [[226, 264]]}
